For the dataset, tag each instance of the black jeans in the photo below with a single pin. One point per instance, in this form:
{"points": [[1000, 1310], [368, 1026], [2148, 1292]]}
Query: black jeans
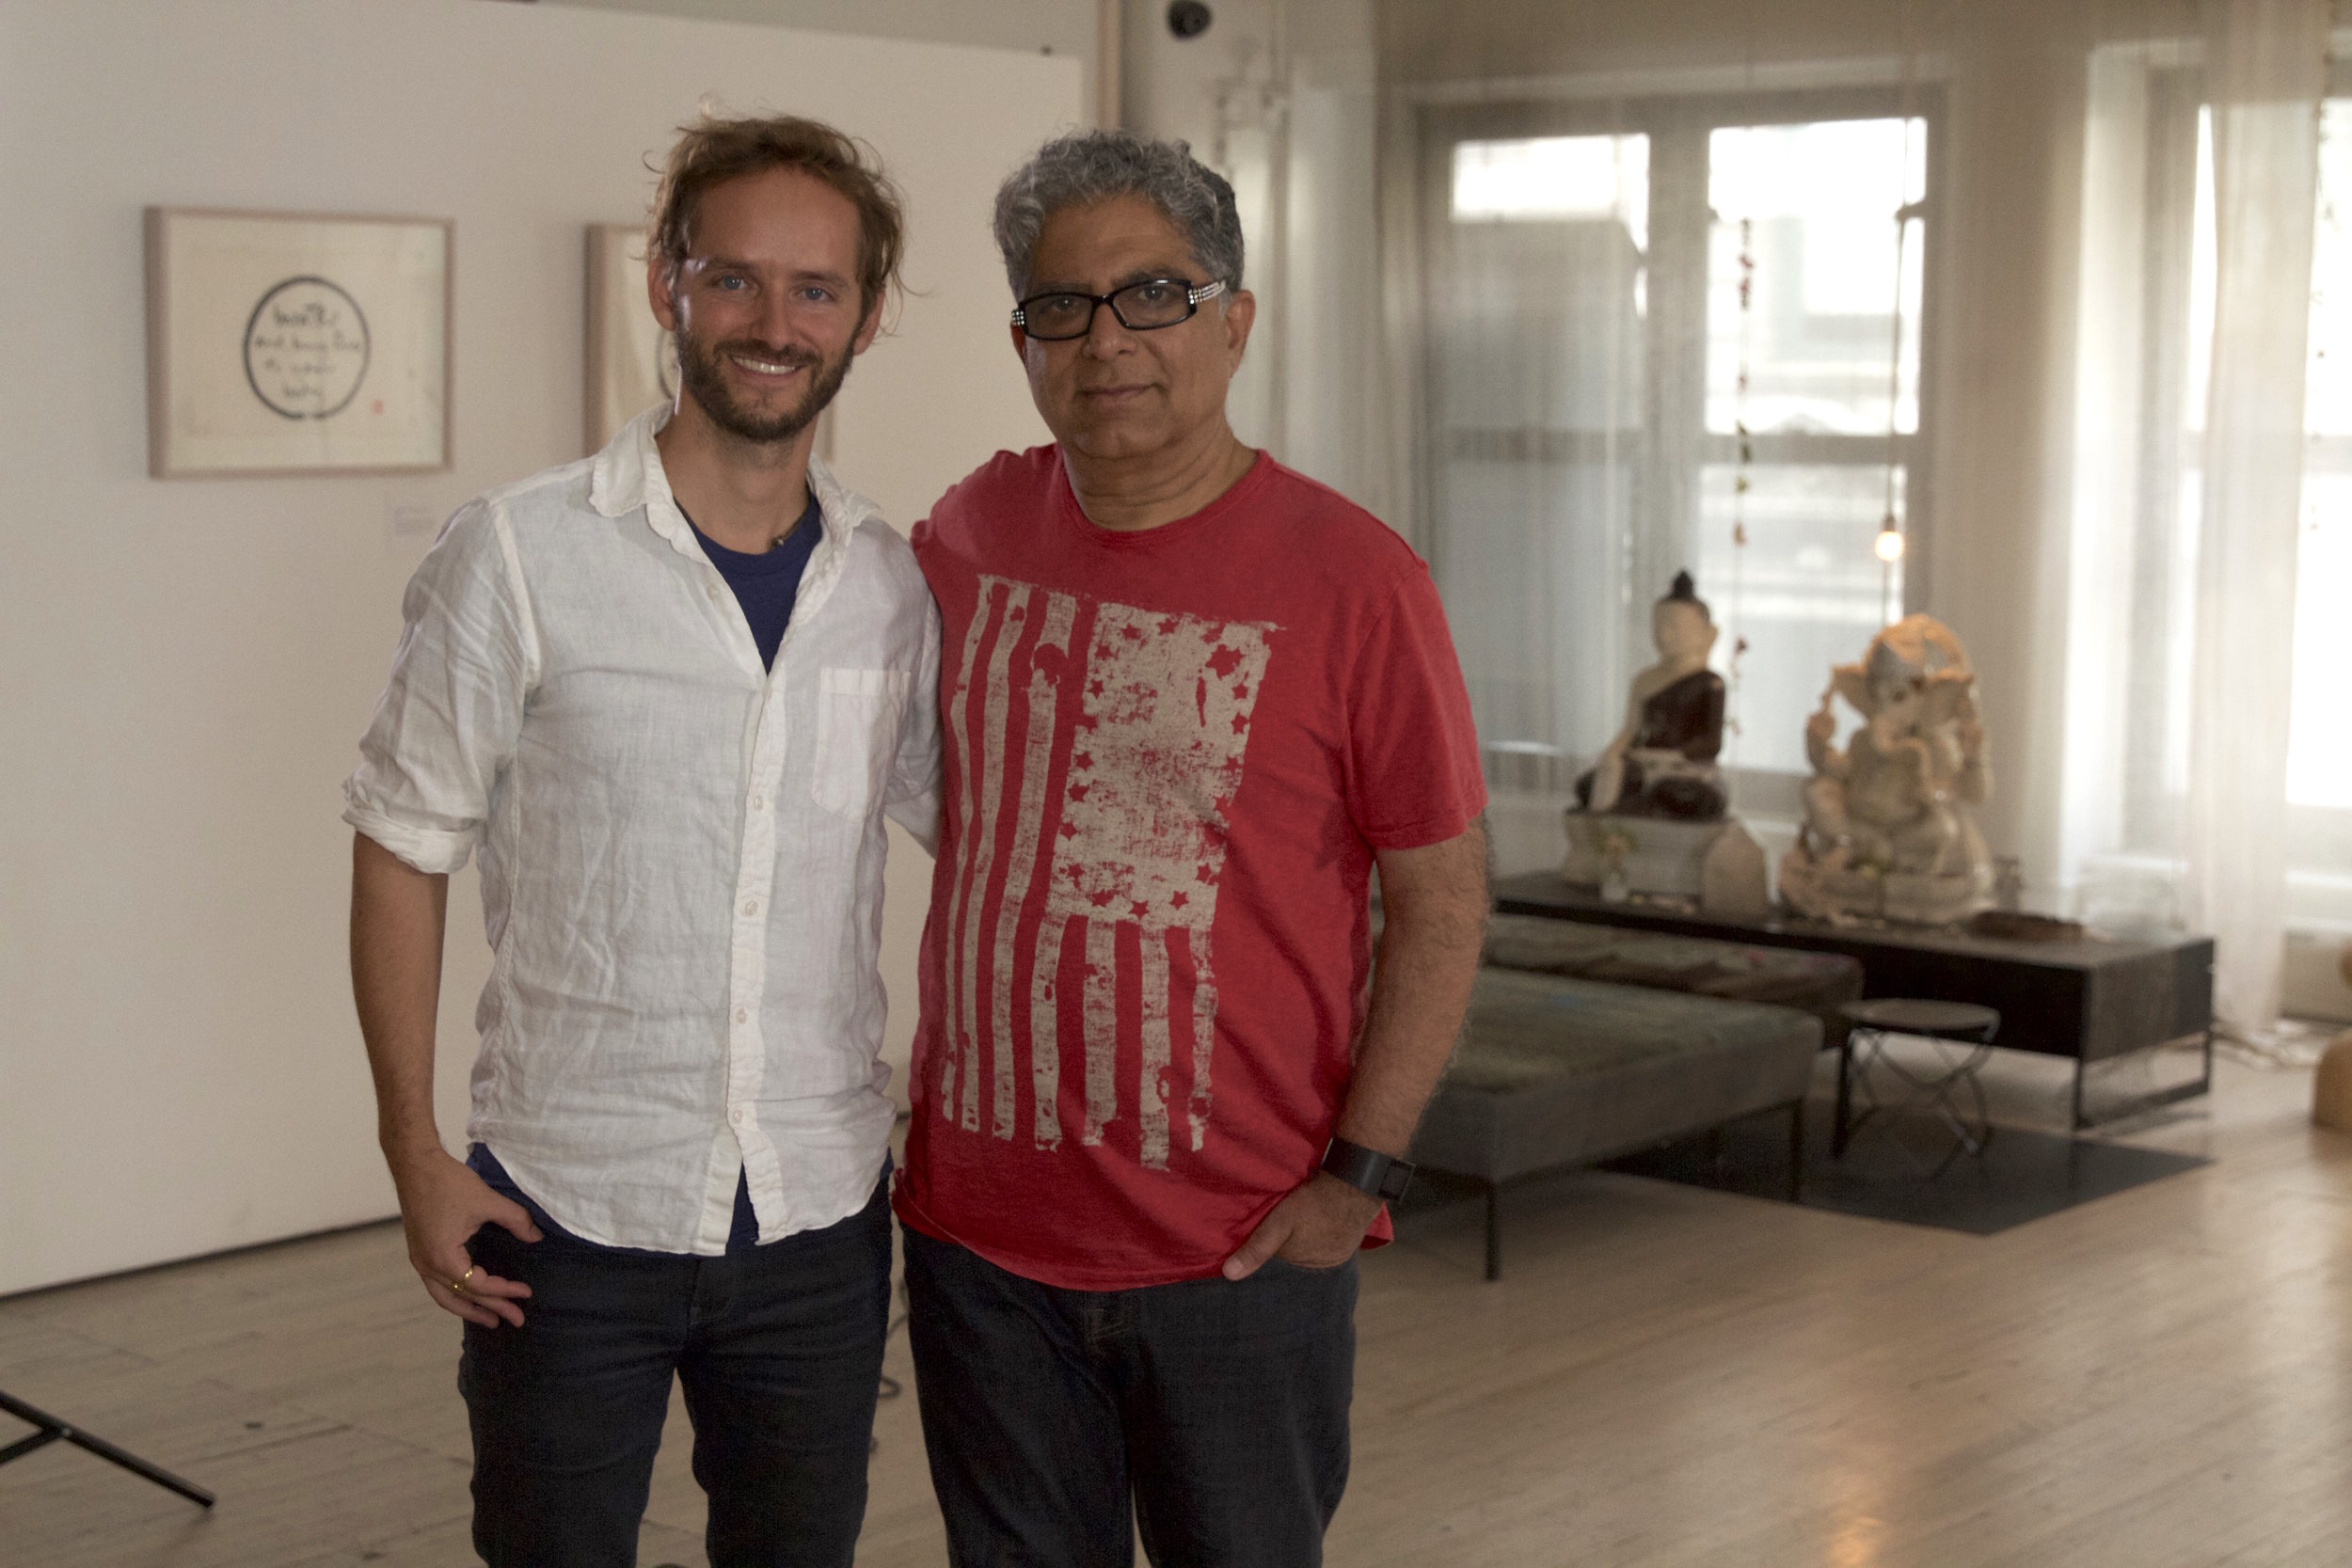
{"points": [[1220, 1409], [779, 1349]]}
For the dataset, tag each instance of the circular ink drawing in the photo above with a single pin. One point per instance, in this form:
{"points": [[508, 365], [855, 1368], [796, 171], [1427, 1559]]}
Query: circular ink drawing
{"points": [[305, 349]]}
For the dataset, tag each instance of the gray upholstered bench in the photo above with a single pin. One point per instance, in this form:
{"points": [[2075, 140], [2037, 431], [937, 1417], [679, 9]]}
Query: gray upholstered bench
{"points": [[1555, 1073], [1821, 983]]}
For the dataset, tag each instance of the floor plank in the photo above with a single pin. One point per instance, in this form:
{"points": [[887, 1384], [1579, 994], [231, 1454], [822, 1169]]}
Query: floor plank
{"points": [[1665, 1377]]}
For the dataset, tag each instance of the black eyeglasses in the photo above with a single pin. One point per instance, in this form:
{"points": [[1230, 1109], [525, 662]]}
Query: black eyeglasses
{"points": [[1144, 307]]}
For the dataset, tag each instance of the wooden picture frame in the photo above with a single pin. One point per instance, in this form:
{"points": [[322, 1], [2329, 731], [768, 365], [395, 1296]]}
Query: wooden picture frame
{"points": [[294, 343]]}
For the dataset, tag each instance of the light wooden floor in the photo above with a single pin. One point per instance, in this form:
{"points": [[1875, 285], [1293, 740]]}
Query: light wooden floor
{"points": [[1667, 1376]]}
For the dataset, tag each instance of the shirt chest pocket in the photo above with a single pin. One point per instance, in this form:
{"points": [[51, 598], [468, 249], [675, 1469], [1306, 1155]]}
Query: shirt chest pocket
{"points": [[858, 714]]}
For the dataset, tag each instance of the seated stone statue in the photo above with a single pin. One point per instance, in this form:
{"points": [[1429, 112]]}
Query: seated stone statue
{"points": [[1889, 827], [1662, 762]]}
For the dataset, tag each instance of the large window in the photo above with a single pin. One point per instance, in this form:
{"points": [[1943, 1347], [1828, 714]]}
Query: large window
{"points": [[1674, 335], [2180, 293], [2319, 750], [1821, 222]]}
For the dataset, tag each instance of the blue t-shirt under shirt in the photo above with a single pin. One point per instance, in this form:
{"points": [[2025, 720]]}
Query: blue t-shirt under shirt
{"points": [[766, 586]]}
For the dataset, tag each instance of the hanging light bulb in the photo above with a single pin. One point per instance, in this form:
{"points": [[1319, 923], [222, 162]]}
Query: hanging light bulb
{"points": [[1890, 542]]}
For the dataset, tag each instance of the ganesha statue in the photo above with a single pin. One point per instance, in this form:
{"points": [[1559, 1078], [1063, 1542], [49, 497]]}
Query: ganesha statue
{"points": [[1890, 829]]}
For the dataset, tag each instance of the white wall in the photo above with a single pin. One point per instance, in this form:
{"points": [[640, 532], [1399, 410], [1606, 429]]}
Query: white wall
{"points": [[185, 666], [1068, 27], [1031, 26]]}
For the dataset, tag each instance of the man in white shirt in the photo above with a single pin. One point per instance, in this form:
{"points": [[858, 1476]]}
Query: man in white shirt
{"points": [[670, 694]]}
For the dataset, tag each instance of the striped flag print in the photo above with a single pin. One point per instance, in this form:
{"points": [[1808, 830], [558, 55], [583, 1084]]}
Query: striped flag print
{"points": [[1096, 749]]}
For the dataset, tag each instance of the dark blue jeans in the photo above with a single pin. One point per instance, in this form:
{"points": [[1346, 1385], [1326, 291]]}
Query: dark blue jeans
{"points": [[779, 1350], [1218, 1410]]}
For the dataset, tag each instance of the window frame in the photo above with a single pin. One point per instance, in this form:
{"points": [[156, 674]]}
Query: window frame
{"points": [[1675, 444]]}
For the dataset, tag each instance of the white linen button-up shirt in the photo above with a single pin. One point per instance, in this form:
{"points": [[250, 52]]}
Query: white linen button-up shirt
{"points": [[681, 850]]}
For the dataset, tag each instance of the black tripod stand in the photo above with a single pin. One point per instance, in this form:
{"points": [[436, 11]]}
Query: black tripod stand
{"points": [[53, 1430]]}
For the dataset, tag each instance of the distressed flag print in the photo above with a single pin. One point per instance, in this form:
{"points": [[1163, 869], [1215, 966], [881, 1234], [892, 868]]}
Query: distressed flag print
{"points": [[1101, 747]]}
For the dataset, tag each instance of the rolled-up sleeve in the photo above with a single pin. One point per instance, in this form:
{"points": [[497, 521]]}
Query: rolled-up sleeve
{"points": [[913, 798], [447, 724]]}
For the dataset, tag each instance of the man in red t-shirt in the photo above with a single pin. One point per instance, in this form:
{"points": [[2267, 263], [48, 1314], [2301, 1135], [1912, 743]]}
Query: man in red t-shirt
{"points": [[1192, 700]]}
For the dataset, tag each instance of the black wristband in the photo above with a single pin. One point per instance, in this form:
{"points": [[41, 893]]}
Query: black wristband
{"points": [[1383, 1176]]}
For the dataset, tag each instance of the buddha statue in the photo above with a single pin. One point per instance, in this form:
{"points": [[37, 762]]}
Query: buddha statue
{"points": [[1662, 762], [1889, 828]]}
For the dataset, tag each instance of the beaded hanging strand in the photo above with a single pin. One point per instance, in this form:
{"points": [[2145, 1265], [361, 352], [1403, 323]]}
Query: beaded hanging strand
{"points": [[1741, 481], [1890, 540]]}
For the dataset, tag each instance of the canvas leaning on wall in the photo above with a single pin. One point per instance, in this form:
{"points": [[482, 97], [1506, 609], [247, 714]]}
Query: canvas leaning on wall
{"points": [[297, 343], [631, 362]]}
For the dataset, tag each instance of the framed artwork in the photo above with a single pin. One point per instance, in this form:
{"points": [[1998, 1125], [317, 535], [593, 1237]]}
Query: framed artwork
{"points": [[297, 343], [632, 363]]}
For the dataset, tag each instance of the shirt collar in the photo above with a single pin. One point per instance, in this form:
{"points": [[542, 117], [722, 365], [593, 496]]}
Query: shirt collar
{"points": [[628, 476]]}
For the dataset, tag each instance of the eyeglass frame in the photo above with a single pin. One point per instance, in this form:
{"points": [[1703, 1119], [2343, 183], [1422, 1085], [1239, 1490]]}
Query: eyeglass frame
{"points": [[1195, 295]]}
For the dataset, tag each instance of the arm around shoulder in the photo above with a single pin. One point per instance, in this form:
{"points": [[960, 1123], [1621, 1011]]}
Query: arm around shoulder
{"points": [[912, 799]]}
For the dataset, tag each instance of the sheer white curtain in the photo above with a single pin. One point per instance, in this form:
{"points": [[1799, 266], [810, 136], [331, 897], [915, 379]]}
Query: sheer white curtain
{"points": [[2266, 70], [2201, 189], [1537, 380]]}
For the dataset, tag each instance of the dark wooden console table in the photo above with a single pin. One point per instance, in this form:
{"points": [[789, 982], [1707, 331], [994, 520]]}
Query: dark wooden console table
{"points": [[2091, 1000]]}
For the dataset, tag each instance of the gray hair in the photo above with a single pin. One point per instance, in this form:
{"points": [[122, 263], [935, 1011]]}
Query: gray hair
{"points": [[1099, 166]]}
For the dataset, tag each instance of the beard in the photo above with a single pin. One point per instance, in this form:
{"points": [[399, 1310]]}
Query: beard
{"points": [[703, 376]]}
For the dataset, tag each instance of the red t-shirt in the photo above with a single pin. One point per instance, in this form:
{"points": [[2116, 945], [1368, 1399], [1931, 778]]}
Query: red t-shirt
{"points": [[1169, 757]]}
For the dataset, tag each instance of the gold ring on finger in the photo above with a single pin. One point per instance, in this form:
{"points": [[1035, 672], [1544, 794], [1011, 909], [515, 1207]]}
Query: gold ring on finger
{"points": [[458, 1285]]}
